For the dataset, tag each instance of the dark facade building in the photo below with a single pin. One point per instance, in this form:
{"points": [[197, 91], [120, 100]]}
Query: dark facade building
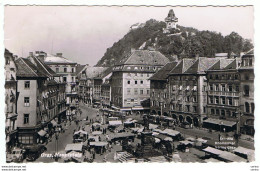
{"points": [[247, 104], [223, 95], [188, 93], [10, 100], [159, 91]]}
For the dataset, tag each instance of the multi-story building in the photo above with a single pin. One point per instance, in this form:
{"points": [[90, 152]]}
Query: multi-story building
{"points": [[10, 99], [41, 99], [67, 70], [90, 84], [159, 91], [130, 84], [247, 105], [188, 93], [223, 95], [106, 93]]}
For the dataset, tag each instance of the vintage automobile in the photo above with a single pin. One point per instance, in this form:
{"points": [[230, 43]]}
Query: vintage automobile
{"points": [[17, 155], [34, 152]]}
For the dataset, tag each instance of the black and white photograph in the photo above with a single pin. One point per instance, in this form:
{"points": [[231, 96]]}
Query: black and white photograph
{"points": [[128, 84]]}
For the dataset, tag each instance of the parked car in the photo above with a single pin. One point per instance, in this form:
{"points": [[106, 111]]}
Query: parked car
{"points": [[17, 155], [33, 152]]}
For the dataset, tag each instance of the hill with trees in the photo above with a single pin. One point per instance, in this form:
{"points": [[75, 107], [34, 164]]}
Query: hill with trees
{"points": [[183, 42]]}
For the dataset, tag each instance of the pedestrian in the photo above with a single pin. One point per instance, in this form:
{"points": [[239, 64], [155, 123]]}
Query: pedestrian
{"points": [[87, 118]]}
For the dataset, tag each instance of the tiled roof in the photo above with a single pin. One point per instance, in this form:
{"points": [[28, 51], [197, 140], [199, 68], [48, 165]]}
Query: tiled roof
{"points": [[163, 73], [221, 64], [182, 66], [25, 68], [79, 68], [42, 66], [94, 72], [144, 57], [107, 71], [233, 65], [201, 65]]}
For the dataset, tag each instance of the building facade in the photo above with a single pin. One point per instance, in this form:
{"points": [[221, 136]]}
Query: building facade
{"points": [[41, 100], [188, 94], [159, 91], [223, 95], [247, 105], [67, 71], [130, 84], [10, 100]]}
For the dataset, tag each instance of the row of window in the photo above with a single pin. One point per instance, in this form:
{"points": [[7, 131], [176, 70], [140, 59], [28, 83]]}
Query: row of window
{"points": [[138, 91], [224, 113], [223, 100], [65, 70], [224, 87], [136, 81], [224, 76], [138, 75]]}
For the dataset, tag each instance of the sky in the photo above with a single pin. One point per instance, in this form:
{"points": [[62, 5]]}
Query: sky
{"points": [[83, 33]]}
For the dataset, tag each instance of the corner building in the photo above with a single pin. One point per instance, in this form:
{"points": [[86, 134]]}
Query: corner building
{"points": [[130, 84]]}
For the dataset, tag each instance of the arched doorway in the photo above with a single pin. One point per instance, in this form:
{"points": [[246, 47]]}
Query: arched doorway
{"points": [[165, 114], [196, 121], [189, 120], [174, 116], [159, 113], [181, 118]]}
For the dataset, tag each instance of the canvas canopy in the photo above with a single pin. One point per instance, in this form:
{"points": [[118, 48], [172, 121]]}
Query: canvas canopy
{"points": [[212, 150], [98, 144], [42, 133], [231, 157], [115, 123], [220, 122], [73, 147]]}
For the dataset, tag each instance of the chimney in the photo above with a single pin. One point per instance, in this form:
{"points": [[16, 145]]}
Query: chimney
{"points": [[30, 54], [59, 54]]}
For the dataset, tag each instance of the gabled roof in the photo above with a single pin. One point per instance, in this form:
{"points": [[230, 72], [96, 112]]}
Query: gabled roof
{"points": [[79, 68], [221, 64], [42, 66], [182, 66], [144, 57], [201, 65], [163, 73], [233, 65], [25, 68]]}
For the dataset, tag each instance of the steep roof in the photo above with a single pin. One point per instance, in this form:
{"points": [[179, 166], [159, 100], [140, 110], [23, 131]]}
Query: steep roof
{"points": [[182, 66], [233, 65], [163, 73], [144, 57], [25, 68], [107, 72], [44, 68], [79, 68], [201, 65], [221, 64]]}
